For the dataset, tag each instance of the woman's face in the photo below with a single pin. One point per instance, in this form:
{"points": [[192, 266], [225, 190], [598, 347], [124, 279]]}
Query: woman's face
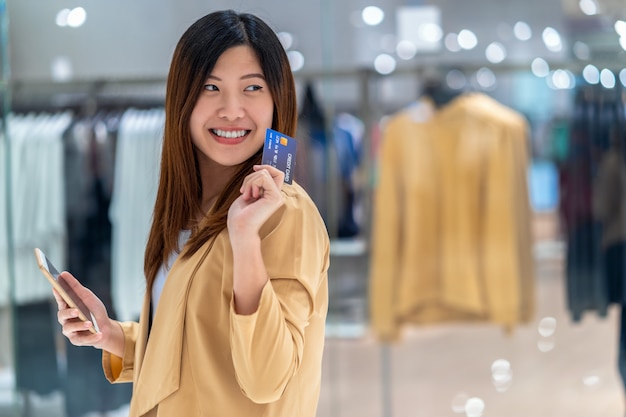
{"points": [[234, 109]]}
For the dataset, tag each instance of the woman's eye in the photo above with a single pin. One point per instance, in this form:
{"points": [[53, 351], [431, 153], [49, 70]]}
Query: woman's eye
{"points": [[210, 87], [253, 88]]}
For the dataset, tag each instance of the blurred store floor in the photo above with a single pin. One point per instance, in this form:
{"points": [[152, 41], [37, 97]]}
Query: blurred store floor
{"points": [[549, 368]]}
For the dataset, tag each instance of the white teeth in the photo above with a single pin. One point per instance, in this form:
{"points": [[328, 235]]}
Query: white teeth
{"points": [[230, 134]]}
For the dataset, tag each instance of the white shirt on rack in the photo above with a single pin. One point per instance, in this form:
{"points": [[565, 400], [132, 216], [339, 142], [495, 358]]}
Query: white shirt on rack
{"points": [[136, 177]]}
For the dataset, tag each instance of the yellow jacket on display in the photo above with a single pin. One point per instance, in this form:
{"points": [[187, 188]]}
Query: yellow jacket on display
{"points": [[203, 359], [451, 226]]}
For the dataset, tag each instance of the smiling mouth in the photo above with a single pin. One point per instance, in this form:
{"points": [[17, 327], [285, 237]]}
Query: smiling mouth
{"points": [[230, 134]]}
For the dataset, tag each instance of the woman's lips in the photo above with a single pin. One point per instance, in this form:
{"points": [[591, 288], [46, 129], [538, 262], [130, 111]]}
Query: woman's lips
{"points": [[230, 137]]}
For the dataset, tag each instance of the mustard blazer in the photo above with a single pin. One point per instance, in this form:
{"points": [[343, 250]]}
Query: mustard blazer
{"points": [[200, 358], [451, 226]]}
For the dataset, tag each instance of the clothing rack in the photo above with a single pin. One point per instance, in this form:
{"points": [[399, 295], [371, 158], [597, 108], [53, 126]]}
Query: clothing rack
{"points": [[85, 97]]}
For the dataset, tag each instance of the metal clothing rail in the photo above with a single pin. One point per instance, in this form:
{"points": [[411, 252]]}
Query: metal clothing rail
{"points": [[86, 97]]}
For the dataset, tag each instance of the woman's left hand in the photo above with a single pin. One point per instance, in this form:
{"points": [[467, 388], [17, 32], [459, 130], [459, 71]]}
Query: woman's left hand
{"points": [[260, 198]]}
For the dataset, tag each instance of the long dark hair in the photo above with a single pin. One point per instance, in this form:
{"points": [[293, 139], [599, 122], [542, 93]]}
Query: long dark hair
{"points": [[180, 188]]}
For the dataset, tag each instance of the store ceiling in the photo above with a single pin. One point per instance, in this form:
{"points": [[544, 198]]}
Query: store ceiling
{"points": [[128, 40]]}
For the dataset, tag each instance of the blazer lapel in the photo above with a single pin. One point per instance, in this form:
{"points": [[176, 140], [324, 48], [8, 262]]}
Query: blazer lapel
{"points": [[158, 355], [142, 338]]}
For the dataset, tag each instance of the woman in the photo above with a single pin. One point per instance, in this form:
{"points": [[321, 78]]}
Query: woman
{"points": [[236, 261]]}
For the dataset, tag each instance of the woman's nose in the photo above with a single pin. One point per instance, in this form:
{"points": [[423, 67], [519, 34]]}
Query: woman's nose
{"points": [[231, 108]]}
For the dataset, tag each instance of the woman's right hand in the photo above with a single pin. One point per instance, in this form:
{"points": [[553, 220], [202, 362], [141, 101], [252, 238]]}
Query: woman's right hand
{"points": [[109, 335]]}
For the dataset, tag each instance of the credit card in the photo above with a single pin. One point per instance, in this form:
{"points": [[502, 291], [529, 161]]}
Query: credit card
{"points": [[279, 151]]}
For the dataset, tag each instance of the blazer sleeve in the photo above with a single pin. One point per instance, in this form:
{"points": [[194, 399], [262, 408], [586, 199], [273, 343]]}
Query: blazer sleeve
{"points": [[118, 369], [267, 346]]}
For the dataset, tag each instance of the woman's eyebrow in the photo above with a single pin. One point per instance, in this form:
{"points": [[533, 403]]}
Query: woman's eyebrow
{"points": [[253, 75], [243, 77]]}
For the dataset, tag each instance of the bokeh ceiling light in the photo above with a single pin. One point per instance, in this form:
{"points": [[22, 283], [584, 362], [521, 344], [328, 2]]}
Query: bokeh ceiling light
{"points": [[61, 18], [540, 67], [607, 78], [296, 60], [522, 31], [582, 51], [562, 79], [495, 52], [384, 64], [76, 17], [286, 39], [372, 15], [486, 78], [467, 39], [452, 42], [552, 39], [591, 74], [430, 32], [61, 69], [456, 80], [406, 50], [620, 28], [588, 7]]}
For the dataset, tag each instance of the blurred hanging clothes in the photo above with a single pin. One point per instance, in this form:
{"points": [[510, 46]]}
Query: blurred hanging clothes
{"points": [[348, 131], [585, 286], [37, 204], [135, 184], [602, 133], [587, 282], [37, 211], [90, 146], [451, 225], [312, 160], [84, 196], [609, 210]]}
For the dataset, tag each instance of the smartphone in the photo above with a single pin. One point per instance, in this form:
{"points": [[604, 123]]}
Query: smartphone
{"points": [[59, 284]]}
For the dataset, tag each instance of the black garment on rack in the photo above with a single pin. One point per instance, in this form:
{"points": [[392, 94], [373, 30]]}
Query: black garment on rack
{"points": [[35, 356], [89, 152], [595, 275], [312, 171], [585, 279]]}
